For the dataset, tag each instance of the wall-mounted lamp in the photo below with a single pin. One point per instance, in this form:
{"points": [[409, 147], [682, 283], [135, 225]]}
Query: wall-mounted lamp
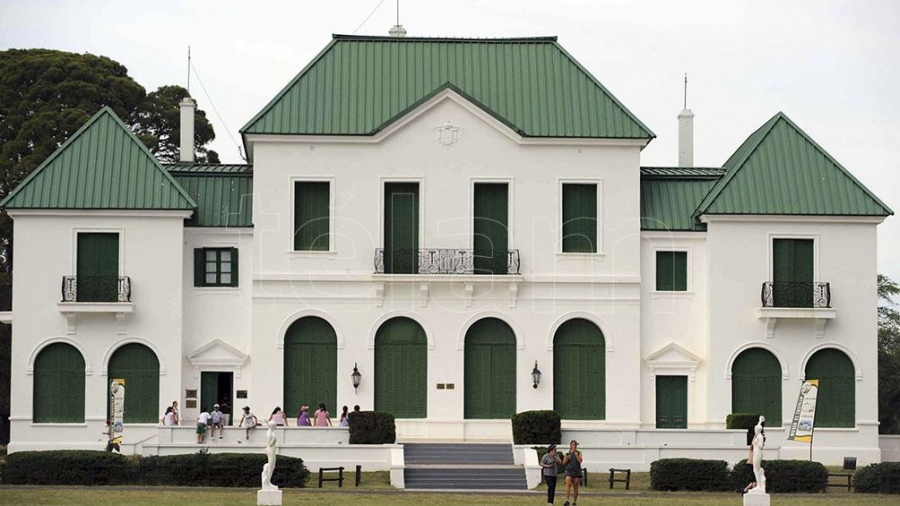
{"points": [[536, 375], [355, 377]]}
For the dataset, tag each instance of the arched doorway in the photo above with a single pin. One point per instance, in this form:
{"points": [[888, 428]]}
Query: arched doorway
{"points": [[756, 385], [490, 370], [401, 368], [579, 371], [310, 365], [139, 367]]}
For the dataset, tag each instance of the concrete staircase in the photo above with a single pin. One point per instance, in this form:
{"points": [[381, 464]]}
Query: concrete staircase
{"points": [[462, 467]]}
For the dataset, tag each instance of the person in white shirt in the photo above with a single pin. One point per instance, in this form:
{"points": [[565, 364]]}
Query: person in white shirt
{"points": [[217, 418], [202, 424], [169, 418]]}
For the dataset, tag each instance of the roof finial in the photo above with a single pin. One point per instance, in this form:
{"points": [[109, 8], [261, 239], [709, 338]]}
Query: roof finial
{"points": [[685, 90], [397, 30]]}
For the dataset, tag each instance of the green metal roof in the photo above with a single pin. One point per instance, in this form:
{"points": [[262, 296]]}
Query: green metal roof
{"points": [[357, 85], [101, 166], [779, 169], [224, 194], [669, 196], [209, 168]]}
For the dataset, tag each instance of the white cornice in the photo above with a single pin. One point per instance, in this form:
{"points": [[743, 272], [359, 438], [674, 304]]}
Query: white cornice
{"points": [[660, 234], [786, 218], [87, 213]]}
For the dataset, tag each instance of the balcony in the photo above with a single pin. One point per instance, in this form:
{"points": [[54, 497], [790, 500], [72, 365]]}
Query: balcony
{"points": [[797, 300], [96, 294], [446, 261]]}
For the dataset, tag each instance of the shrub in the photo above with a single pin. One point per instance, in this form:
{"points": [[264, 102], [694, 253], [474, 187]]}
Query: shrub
{"points": [[67, 467], [881, 478], [536, 427], [372, 428], [742, 421], [689, 474], [783, 476]]}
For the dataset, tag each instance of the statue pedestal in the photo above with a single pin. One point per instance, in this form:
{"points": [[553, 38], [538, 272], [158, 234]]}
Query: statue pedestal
{"points": [[757, 499], [273, 498]]}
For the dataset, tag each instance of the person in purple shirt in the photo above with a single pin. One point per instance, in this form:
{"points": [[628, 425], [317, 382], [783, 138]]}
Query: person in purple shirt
{"points": [[303, 417]]}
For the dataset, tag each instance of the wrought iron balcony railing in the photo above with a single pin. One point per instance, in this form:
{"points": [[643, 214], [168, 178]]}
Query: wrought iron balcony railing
{"points": [[446, 261], [96, 289], [796, 294]]}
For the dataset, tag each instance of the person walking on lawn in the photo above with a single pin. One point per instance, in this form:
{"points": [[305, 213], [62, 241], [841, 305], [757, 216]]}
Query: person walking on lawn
{"points": [[549, 463], [572, 463]]}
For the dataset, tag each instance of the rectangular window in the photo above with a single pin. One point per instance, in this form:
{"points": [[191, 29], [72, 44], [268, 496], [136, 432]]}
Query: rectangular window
{"points": [[579, 218], [792, 272], [671, 271], [97, 273], [312, 216], [216, 267]]}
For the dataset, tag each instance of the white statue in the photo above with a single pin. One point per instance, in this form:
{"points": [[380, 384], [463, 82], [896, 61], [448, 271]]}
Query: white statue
{"points": [[269, 467], [759, 442]]}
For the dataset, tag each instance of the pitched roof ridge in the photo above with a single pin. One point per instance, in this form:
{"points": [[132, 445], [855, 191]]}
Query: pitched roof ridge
{"points": [[388, 38]]}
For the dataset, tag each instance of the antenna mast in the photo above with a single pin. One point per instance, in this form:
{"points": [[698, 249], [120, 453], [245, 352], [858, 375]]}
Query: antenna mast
{"points": [[685, 90], [189, 71], [398, 12]]}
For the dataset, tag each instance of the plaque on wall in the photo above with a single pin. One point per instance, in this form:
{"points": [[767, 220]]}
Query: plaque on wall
{"points": [[190, 394], [241, 394], [190, 403]]}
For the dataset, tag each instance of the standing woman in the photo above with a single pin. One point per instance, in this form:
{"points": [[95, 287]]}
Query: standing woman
{"points": [[572, 462], [344, 420], [175, 411], [322, 417], [549, 463]]}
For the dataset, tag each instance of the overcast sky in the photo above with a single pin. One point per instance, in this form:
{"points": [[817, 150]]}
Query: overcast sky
{"points": [[832, 66]]}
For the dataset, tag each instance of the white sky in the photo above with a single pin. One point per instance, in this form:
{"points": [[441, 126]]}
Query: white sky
{"points": [[831, 66]]}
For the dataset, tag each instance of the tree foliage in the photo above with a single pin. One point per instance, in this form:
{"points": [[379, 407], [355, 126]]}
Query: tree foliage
{"points": [[888, 356]]}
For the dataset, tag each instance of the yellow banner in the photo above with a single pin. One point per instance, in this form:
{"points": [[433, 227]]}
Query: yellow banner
{"points": [[805, 413]]}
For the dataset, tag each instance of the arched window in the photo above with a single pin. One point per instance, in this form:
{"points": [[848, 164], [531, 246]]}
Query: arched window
{"points": [[490, 370], [836, 401], [58, 395], [310, 365], [401, 368], [756, 385], [139, 367], [579, 371]]}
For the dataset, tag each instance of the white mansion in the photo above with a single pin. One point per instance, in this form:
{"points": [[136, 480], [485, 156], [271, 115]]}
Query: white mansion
{"points": [[447, 217]]}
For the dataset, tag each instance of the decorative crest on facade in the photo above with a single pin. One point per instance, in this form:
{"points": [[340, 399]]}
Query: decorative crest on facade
{"points": [[447, 134]]}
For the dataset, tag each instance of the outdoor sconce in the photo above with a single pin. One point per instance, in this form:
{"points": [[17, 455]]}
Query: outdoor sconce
{"points": [[355, 377], [536, 375]]}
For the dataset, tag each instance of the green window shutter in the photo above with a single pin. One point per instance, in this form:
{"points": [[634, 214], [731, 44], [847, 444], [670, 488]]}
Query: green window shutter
{"points": [[490, 370], [671, 402], [792, 271], [401, 228], [579, 371], [199, 268], [58, 392], [234, 266], [491, 234], [836, 401], [401, 368], [139, 367], [312, 215], [756, 385], [579, 218], [671, 271], [310, 365], [98, 267]]}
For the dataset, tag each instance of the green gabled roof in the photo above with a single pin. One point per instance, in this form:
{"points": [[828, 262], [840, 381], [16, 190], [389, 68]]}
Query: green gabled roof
{"points": [[669, 196], [358, 84], [101, 166], [779, 169], [224, 193]]}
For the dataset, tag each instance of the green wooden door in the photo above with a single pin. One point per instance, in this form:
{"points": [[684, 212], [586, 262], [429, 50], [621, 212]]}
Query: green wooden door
{"points": [[58, 394], [792, 272], [310, 365], [401, 368], [98, 267], [756, 385], [491, 228], [579, 371], [312, 209], [401, 228], [671, 402], [490, 370], [139, 367], [209, 389], [579, 219], [836, 401]]}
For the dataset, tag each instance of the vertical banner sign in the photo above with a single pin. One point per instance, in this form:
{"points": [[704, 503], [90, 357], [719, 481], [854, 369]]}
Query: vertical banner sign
{"points": [[805, 413], [116, 407]]}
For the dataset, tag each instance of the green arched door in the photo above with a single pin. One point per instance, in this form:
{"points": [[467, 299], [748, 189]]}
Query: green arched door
{"points": [[490, 370], [139, 367], [58, 393], [310, 365], [579, 371], [401, 368], [836, 401], [756, 385]]}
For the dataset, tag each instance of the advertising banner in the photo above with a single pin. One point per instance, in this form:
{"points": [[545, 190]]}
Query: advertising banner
{"points": [[116, 407], [805, 413]]}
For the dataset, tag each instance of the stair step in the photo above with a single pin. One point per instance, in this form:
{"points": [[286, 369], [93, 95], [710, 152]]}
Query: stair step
{"points": [[436, 453]]}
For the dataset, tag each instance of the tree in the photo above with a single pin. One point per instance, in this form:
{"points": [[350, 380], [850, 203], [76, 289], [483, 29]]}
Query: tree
{"points": [[158, 124], [888, 356]]}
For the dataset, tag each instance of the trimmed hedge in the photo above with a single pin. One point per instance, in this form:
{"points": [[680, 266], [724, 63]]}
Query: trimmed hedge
{"points": [[881, 478], [83, 467], [536, 427], [372, 428], [690, 474], [783, 476], [742, 421]]}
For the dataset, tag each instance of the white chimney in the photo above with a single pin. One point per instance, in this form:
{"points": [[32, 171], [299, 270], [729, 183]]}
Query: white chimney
{"points": [[686, 138], [186, 151]]}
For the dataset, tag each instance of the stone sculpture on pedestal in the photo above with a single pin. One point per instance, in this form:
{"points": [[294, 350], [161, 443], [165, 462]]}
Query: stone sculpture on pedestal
{"points": [[269, 495]]}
